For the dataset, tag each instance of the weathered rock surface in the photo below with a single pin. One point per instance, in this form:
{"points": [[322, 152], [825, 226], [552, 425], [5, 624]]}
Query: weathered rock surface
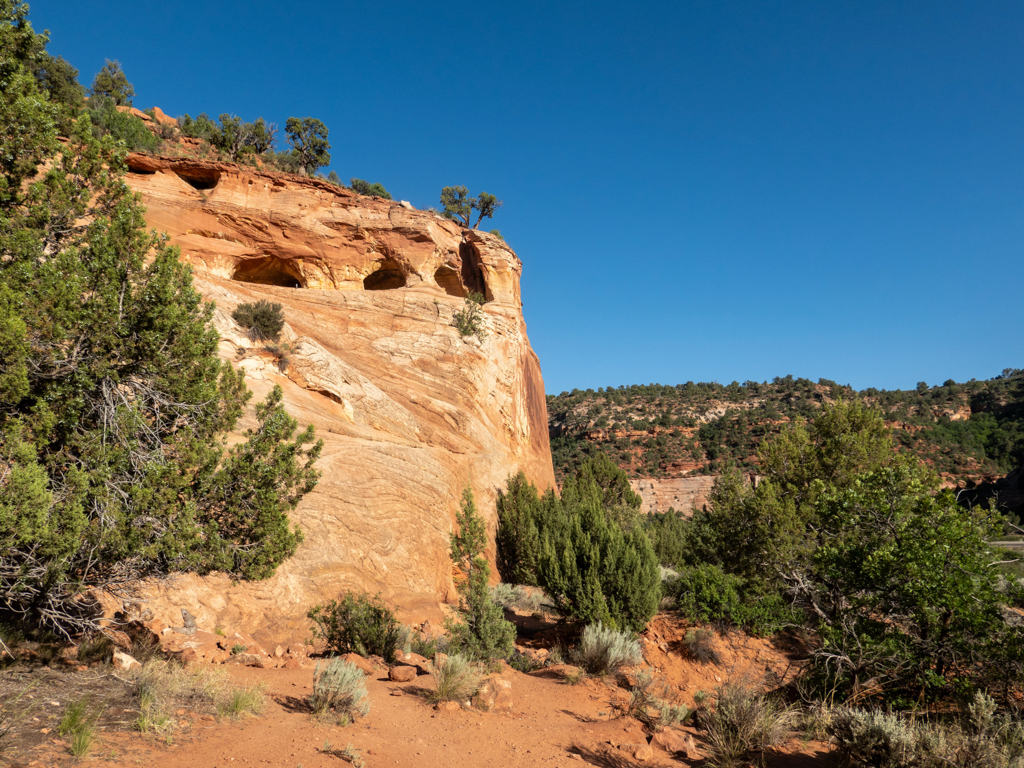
{"points": [[409, 411], [680, 493]]}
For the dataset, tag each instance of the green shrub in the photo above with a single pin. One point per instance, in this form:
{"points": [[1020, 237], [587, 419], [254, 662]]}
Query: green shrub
{"points": [[358, 623], [603, 650], [470, 319], [201, 127], [456, 678], [338, 685], [743, 725], [707, 594], [581, 547], [370, 190], [262, 320], [122, 126]]}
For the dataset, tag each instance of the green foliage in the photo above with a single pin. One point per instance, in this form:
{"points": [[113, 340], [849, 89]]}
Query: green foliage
{"points": [[241, 140], [112, 83], [516, 597], [113, 402], [470, 319], [603, 650], [372, 190], [764, 532], [667, 532], [339, 686], [497, 234], [358, 623], [59, 80], [483, 632], [705, 593], [577, 549], [518, 536], [201, 127], [895, 576], [121, 126], [308, 138], [243, 700], [458, 205], [262, 320]]}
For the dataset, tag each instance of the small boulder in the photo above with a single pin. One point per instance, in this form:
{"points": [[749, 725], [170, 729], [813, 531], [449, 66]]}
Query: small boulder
{"points": [[494, 693], [125, 662], [402, 674], [298, 650], [359, 661], [675, 743], [292, 664], [164, 119]]}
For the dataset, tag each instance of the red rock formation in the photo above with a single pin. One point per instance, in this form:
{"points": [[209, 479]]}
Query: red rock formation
{"points": [[409, 411]]}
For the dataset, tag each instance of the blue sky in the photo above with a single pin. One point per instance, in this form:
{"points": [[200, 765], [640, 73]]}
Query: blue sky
{"points": [[706, 191]]}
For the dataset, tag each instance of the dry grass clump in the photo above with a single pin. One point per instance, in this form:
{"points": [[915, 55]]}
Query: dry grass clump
{"points": [[650, 703], [517, 597], [887, 740], [163, 686], [603, 650], [338, 686], [456, 678], [701, 645], [743, 725]]}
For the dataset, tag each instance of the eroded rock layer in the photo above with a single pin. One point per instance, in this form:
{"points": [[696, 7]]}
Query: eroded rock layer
{"points": [[410, 411]]}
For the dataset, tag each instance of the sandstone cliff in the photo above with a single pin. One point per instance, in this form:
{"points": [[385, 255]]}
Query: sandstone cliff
{"points": [[409, 411]]}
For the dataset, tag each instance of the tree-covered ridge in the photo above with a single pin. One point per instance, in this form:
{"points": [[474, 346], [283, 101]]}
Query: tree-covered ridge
{"points": [[964, 430]]}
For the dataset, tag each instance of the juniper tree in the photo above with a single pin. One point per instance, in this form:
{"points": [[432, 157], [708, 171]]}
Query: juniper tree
{"points": [[308, 139], [113, 403], [483, 633]]}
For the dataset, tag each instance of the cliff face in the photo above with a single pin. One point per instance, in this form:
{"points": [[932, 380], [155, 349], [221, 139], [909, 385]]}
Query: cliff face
{"points": [[409, 411]]}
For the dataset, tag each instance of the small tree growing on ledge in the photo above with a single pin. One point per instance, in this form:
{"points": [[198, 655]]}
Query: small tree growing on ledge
{"points": [[458, 205], [470, 319], [370, 190], [262, 320], [308, 138]]}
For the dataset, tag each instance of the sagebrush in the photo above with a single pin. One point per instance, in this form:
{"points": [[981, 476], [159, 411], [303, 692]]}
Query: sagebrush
{"points": [[603, 650], [338, 686]]}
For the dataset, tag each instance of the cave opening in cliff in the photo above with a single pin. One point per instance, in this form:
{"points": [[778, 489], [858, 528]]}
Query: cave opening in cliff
{"points": [[387, 277], [472, 275], [449, 280], [200, 179], [269, 270]]}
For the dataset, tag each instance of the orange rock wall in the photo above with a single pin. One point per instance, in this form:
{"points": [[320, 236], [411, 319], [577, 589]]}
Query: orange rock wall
{"points": [[409, 411]]}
